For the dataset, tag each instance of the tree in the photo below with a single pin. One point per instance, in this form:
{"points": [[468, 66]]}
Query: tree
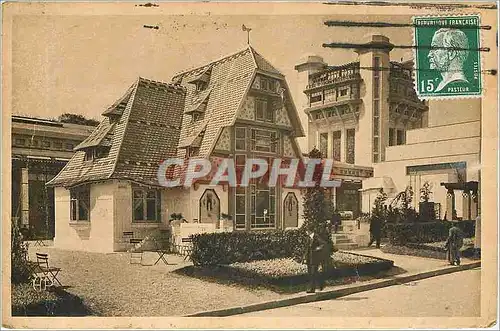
{"points": [[317, 208], [379, 212], [77, 119], [408, 213]]}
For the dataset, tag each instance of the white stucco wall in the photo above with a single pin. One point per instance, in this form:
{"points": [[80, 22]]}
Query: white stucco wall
{"points": [[95, 235]]}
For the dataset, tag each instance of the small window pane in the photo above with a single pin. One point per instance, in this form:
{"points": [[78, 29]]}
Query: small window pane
{"points": [[137, 193], [151, 209], [83, 212], [240, 221], [240, 204], [240, 133], [138, 210], [73, 209], [151, 194], [240, 144]]}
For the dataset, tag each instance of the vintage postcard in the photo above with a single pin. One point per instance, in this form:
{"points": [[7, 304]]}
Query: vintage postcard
{"points": [[249, 165]]}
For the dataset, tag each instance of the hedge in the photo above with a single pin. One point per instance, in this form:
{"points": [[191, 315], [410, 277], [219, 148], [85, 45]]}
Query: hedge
{"points": [[230, 247], [27, 301], [402, 233]]}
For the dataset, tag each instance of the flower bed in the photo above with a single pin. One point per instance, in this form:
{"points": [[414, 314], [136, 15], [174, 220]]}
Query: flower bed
{"points": [[26, 301], [285, 274], [433, 250]]}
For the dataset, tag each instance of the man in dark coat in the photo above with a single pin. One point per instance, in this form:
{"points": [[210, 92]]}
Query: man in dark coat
{"points": [[375, 231], [453, 244], [318, 253], [336, 221]]}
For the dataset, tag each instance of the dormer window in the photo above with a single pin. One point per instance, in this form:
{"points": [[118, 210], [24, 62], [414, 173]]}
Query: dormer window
{"points": [[262, 111], [99, 152], [196, 116], [264, 84], [201, 86]]}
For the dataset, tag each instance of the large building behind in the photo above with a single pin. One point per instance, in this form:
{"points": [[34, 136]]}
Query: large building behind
{"points": [[40, 149], [366, 116]]}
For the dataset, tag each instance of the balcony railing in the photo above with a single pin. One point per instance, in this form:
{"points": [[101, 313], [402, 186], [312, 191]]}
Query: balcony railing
{"points": [[324, 81]]}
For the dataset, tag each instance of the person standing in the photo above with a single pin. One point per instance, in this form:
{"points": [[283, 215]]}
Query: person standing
{"points": [[453, 244], [336, 221], [315, 256], [375, 231]]}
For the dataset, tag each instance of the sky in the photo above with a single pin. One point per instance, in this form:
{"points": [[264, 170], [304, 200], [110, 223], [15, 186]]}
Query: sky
{"points": [[82, 64]]}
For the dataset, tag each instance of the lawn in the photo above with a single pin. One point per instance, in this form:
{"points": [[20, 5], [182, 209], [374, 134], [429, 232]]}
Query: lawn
{"points": [[285, 275]]}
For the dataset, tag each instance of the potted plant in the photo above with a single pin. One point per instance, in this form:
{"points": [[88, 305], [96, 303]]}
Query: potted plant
{"points": [[426, 207]]}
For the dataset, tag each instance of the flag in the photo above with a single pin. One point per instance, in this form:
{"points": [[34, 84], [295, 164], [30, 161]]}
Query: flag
{"points": [[244, 28]]}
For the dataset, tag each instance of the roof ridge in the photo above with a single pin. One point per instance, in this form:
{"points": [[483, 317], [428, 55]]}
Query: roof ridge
{"points": [[212, 63], [253, 51], [130, 100], [169, 84]]}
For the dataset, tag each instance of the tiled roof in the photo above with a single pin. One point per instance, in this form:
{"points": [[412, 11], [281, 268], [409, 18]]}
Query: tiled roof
{"points": [[146, 133], [230, 79]]}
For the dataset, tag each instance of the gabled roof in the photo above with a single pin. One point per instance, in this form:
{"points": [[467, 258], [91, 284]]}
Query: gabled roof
{"points": [[146, 133], [230, 80]]}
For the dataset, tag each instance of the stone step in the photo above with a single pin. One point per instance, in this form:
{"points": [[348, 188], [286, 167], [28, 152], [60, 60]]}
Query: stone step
{"points": [[343, 240], [346, 246], [339, 235]]}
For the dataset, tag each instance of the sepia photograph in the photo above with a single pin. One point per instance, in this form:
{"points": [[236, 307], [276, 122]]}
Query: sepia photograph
{"points": [[236, 164]]}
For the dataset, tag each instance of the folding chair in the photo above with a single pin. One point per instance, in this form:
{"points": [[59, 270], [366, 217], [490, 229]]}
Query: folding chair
{"points": [[135, 256], [127, 235], [162, 248], [45, 275], [187, 249]]}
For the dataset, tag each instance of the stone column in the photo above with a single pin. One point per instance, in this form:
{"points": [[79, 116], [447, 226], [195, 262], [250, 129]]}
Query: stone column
{"points": [[25, 205], [343, 144], [450, 204], [466, 210], [329, 149], [474, 198], [477, 234]]}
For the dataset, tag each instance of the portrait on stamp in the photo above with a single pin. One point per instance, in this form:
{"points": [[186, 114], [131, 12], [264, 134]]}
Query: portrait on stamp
{"points": [[447, 56]]}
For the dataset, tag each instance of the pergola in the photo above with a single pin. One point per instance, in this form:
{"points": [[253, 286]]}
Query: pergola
{"points": [[469, 196]]}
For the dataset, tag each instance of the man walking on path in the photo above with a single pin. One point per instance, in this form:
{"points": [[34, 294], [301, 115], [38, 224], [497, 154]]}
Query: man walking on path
{"points": [[318, 253], [453, 244], [375, 231]]}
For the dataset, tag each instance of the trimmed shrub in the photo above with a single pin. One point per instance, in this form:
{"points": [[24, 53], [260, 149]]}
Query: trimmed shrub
{"points": [[403, 233], [18, 251], [27, 301], [230, 247]]}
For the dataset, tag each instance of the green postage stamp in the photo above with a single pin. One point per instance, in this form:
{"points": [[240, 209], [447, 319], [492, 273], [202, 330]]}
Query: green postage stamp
{"points": [[447, 59]]}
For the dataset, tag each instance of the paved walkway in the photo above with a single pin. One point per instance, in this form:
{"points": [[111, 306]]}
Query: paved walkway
{"points": [[410, 264], [453, 295]]}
